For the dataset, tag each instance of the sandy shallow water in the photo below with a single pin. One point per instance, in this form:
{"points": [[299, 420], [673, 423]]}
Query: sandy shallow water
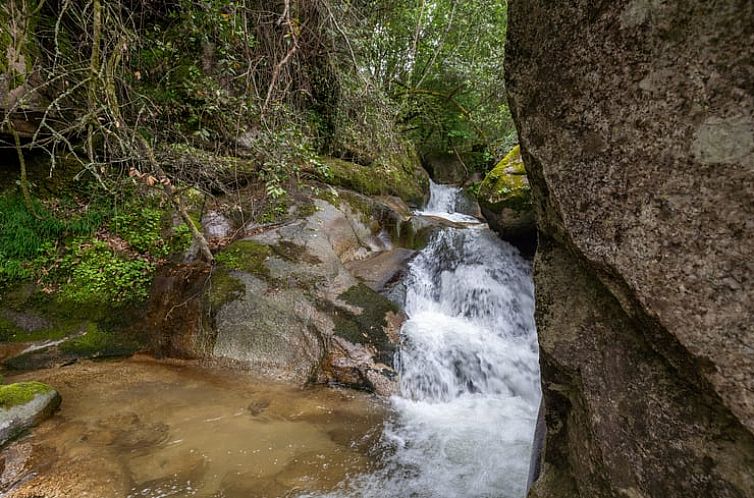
{"points": [[143, 428]]}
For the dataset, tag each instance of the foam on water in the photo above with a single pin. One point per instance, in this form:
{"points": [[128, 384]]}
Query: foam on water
{"points": [[469, 386]]}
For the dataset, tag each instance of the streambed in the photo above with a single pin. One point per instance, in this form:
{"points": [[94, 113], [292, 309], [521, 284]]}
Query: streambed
{"points": [[143, 428], [461, 425]]}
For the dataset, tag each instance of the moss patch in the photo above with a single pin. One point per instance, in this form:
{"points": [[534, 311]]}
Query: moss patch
{"points": [[9, 332], [224, 288], [21, 393], [247, 256], [506, 186], [368, 327], [402, 177], [96, 343]]}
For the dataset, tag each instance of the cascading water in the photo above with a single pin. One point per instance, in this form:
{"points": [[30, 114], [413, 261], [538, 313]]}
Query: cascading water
{"points": [[469, 386], [443, 202]]}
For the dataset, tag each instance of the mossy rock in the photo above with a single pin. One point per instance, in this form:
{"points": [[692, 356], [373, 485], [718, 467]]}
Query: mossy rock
{"points": [[402, 177], [98, 343], [505, 200], [223, 289], [24, 405], [247, 256], [94, 343], [21, 393], [367, 327], [506, 186]]}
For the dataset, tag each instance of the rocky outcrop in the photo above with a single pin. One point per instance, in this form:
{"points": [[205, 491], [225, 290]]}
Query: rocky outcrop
{"points": [[310, 299], [24, 405], [636, 122], [446, 167], [399, 175], [505, 201]]}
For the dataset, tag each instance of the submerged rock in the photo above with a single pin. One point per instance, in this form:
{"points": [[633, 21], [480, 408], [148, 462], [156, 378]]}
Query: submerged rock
{"points": [[24, 405], [637, 135], [505, 201]]}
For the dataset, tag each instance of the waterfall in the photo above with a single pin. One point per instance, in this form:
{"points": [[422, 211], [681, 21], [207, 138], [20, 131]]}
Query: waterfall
{"points": [[443, 202], [469, 373]]}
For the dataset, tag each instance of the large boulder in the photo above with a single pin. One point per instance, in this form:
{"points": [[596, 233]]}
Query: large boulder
{"points": [[24, 405], [446, 167], [636, 122], [305, 300], [505, 201]]}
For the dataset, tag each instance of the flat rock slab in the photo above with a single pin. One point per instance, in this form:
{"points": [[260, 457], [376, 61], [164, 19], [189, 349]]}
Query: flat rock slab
{"points": [[381, 269]]}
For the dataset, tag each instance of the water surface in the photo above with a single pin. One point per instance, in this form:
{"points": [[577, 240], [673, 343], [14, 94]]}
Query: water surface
{"points": [[140, 428]]}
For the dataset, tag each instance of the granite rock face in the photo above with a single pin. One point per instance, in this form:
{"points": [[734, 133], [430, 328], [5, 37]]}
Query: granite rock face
{"points": [[636, 123]]}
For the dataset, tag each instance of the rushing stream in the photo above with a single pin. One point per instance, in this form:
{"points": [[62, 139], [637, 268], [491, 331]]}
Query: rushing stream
{"points": [[469, 387], [461, 426]]}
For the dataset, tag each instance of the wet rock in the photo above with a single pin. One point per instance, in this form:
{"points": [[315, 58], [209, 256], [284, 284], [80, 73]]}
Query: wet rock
{"points": [[28, 321], [637, 138], [270, 330], [383, 268], [127, 430], [446, 167], [257, 407], [505, 201], [278, 297], [24, 405], [468, 204]]}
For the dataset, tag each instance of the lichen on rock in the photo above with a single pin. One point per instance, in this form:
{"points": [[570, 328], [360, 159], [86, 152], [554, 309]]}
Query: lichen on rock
{"points": [[642, 182], [505, 200]]}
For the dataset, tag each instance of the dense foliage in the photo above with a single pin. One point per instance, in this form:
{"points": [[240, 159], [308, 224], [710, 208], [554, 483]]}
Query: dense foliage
{"points": [[207, 96], [442, 62]]}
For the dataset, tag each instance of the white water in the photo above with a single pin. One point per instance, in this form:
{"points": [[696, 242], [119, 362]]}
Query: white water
{"points": [[442, 204], [469, 385]]}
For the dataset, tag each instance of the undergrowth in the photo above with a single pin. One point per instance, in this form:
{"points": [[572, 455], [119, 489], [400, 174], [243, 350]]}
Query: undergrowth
{"points": [[92, 251]]}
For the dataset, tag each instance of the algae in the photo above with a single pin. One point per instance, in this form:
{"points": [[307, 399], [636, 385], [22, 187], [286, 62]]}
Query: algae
{"points": [[367, 327], [224, 288]]}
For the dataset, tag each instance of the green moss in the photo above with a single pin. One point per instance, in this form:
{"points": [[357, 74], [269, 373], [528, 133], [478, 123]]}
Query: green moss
{"points": [[290, 251], [96, 343], [360, 205], [506, 186], [391, 175], [21, 393], [306, 210], [9, 332], [224, 288], [329, 195], [368, 327], [246, 255]]}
